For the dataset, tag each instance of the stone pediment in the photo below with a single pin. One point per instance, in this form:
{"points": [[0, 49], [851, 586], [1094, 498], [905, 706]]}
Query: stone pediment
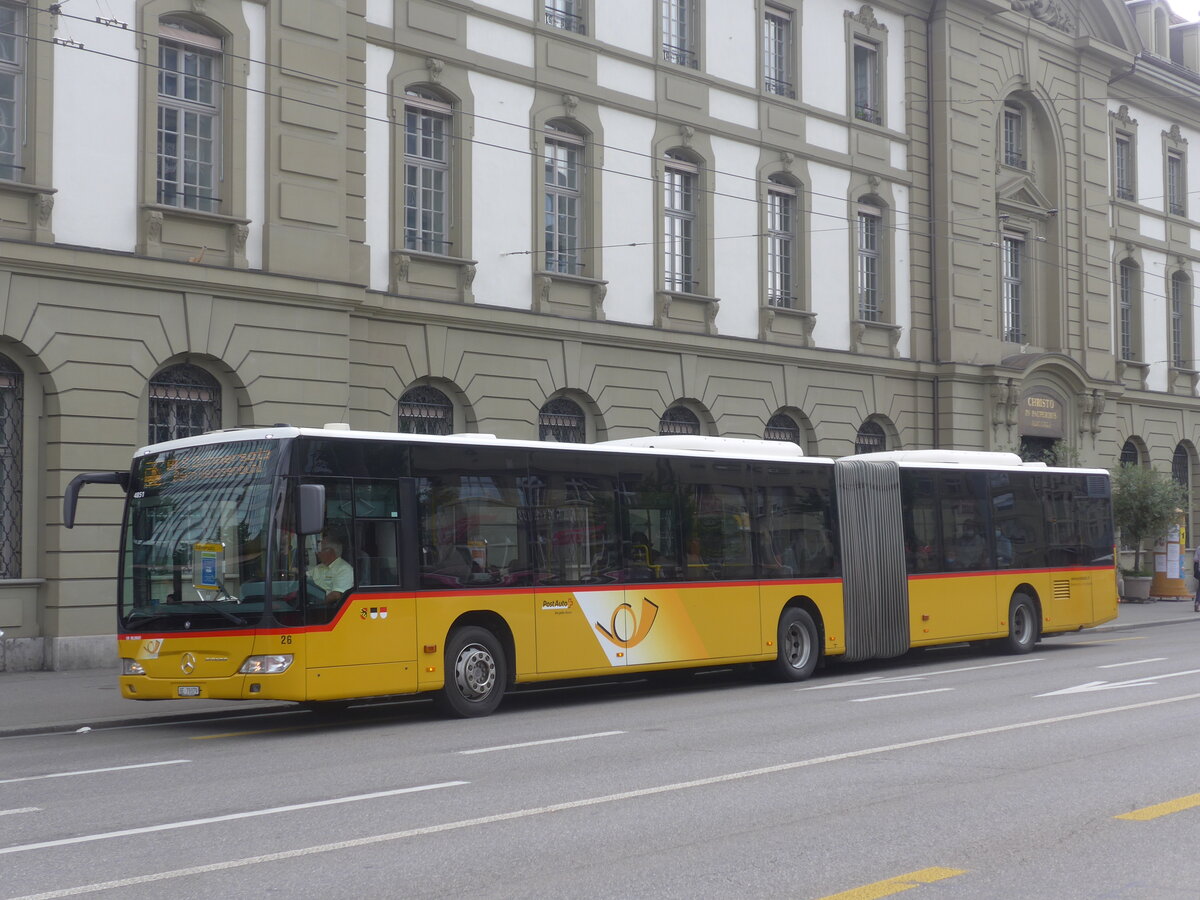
{"points": [[1021, 193]]}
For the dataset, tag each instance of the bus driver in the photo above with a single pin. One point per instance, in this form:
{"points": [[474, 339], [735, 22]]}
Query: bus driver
{"points": [[332, 574]]}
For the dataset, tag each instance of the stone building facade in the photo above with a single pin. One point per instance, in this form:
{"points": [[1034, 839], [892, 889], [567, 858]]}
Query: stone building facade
{"points": [[899, 224]]}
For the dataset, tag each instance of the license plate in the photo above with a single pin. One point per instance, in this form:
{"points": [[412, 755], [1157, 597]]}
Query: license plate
{"points": [[189, 690]]}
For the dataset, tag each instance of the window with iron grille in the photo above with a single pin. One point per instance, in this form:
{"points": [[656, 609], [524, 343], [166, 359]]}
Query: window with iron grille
{"points": [[679, 225], [12, 425], [1013, 278], [866, 82], [562, 420], [427, 129], [1127, 285], [1176, 185], [567, 15], [189, 116], [1181, 300], [1014, 137], [1129, 454], [777, 52], [678, 32], [1181, 466], [425, 410], [869, 227], [563, 199], [870, 438], [184, 401], [781, 245], [1123, 164], [679, 420], [12, 78], [782, 428]]}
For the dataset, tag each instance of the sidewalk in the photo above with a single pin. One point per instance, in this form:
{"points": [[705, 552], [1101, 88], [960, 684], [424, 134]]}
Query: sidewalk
{"points": [[67, 701]]}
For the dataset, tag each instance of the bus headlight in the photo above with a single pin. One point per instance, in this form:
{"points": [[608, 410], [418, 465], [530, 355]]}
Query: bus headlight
{"points": [[266, 665], [132, 667]]}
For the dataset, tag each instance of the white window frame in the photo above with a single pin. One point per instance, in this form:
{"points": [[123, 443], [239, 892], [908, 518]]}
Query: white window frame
{"points": [[1014, 137], [12, 92], [681, 182], [1127, 272], [777, 52], [1012, 271], [1180, 300], [196, 180], [679, 32], [869, 248], [1125, 167], [569, 15], [427, 172], [781, 245], [866, 81], [563, 184], [1176, 183]]}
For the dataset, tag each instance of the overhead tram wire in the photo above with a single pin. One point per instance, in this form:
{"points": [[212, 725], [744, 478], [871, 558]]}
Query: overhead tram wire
{"points": [[987, 230]]}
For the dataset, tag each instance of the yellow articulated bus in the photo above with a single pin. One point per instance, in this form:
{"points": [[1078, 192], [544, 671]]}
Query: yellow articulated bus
{"points": [[328, 564]]}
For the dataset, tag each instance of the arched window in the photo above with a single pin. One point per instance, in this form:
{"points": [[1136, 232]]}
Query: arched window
{"points": [[184, 400], [1129, 454], [563, 199], [12, 421], [782, 428], [1181, 465], [191, 71], [562, 420], [679, 420], [425, 410], [870, 438]]}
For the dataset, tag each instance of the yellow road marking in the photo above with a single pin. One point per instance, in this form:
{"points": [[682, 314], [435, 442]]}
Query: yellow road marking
{"points": [[895, 885], [1161, 809], [232, 734]]}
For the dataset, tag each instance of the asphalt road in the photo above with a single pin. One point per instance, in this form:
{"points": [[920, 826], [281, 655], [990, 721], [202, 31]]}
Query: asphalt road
{"points": [[948, 773]]}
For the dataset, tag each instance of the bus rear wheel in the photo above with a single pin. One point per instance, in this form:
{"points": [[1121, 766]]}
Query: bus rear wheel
{"points": [[1022, 625], [799, 646], [476, 673]]}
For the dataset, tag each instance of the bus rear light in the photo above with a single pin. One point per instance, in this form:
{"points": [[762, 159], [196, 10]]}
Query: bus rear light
{"points": [[266, 665], [132, 667]]}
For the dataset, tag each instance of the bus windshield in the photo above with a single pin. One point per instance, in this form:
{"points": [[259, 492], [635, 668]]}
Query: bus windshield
{"points": [[195, 538]]}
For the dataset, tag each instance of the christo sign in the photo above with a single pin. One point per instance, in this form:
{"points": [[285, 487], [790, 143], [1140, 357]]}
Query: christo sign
{"points": [[1041, 415]]}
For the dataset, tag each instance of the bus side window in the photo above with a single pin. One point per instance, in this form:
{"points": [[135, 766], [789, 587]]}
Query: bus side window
{"points": [[376, 560]]}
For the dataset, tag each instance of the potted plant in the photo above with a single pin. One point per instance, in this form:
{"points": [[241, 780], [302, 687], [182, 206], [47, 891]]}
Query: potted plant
{"points": [[1145, 505]]}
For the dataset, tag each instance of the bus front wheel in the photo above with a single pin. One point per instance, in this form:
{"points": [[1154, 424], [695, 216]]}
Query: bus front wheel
{"points": [[1022, 625], [799, 646], [476, 673]]}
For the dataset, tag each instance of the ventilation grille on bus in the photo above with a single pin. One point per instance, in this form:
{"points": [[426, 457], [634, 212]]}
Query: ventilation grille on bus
{"points": [[874, 580], [1062, 590]]}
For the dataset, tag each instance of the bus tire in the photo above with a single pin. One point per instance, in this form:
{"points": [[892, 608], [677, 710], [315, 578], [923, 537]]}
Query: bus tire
{"points": [[476, 673], [799, 646], [1022, 625]]}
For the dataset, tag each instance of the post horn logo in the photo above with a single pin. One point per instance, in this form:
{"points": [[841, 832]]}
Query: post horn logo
{"points": [[627, 629]]}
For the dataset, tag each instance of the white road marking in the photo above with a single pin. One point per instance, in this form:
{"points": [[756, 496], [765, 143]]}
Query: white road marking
{"points": [[893, 696], [590, 801], [249, 814], [166, 762], [1132, 662], [880, 679], [561, 740], [1110, 685], [24, 809]]}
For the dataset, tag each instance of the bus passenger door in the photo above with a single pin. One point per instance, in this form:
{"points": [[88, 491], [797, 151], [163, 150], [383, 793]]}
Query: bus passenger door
{"points": [[364, 643]]}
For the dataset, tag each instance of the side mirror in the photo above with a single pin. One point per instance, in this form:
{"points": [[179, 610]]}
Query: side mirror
{"points": [[310, 513]]}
